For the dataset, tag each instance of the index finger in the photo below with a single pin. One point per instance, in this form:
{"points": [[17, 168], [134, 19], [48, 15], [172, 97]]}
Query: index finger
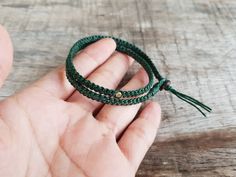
{"points": [[85, 62]]}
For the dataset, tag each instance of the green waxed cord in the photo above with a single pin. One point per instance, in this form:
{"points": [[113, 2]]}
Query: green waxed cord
{"points": [[121, 97]]}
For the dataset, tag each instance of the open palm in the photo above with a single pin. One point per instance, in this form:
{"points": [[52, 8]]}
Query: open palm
{"points": [[50, 130]]}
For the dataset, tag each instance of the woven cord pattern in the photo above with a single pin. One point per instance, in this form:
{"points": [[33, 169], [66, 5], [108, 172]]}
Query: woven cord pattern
{"points": [[121, 97]]}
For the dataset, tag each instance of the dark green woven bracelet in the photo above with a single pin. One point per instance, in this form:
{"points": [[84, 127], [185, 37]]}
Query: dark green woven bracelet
{"points": [[121, 97]]}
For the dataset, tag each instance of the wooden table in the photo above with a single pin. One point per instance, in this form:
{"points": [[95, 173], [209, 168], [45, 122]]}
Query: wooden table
{"points": [[193, 42]]}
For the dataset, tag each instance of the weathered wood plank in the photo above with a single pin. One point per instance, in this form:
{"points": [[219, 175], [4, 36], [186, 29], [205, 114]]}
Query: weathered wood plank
{"points": [[192, 42]]}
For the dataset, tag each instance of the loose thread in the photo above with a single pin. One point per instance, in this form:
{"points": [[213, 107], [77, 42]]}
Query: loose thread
{"points": [[190, 100]]}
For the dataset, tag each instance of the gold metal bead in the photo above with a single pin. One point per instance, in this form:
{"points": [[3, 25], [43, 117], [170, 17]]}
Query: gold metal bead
{"points": [[118, 95]]}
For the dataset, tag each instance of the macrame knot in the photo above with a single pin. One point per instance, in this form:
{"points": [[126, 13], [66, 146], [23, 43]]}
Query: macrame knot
{"points": [[165, 85]]}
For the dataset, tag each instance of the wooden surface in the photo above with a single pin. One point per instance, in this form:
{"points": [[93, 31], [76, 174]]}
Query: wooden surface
{"points": [[193, 42]]}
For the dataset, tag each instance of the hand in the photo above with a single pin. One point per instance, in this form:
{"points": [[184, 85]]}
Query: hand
{"points": [[50, 130]]}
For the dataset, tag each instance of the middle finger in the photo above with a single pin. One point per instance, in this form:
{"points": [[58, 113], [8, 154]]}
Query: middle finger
{"points": [[117, 118]]}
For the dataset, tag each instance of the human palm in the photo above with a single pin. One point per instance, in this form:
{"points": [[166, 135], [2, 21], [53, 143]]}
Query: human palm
{"points": [[49, 129]]}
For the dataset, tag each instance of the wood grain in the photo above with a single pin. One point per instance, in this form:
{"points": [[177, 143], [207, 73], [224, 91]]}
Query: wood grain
{"points": [[193, 42]]}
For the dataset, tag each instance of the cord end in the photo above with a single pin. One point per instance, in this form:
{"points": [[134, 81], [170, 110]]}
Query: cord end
{"points": [[192, 101], [166, 85]]}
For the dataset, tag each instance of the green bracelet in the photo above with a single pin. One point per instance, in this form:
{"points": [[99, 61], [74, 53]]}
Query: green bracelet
{"points": [[121, 97]]}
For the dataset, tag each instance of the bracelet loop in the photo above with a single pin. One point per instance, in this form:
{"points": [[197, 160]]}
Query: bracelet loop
{"points": [[121, 97]]}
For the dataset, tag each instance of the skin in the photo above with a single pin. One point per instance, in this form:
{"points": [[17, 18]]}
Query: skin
{"points": [[50, 130]]}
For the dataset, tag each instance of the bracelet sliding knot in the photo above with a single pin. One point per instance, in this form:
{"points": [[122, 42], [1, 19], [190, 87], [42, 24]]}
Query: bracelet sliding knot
{"points": [[121, 97], [165, 85]]}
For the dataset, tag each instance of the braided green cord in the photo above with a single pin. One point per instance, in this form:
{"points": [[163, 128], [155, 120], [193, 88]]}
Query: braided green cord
{"points": [[121, 97]]}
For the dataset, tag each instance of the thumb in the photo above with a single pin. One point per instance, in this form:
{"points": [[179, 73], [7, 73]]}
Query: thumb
{"points": [[6, 54]]}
